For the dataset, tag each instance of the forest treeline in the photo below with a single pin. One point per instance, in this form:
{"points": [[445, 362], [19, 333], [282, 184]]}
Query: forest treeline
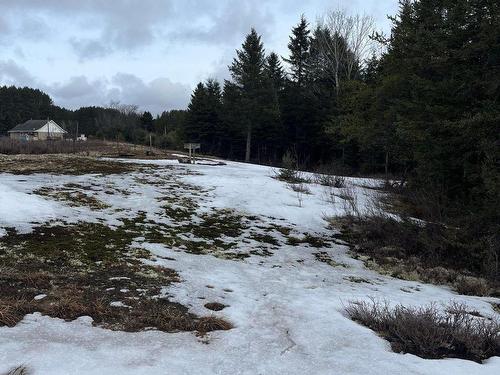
{"points": [[114, 122]]}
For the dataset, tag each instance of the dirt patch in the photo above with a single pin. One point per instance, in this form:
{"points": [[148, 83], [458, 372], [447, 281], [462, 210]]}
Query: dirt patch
{"points": [[215, 306]]}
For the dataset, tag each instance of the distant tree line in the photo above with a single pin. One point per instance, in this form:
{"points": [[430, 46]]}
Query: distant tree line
{"points": [[114, 122]]}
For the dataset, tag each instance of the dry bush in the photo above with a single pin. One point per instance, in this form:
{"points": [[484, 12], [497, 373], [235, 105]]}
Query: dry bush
{"points": [[299, 188], [330, 180], [429, 333], [13, 147], [20, 370], [472, 286], [350, 201]]}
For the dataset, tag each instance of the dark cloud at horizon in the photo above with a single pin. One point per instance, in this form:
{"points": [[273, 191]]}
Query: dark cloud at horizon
{"points": [[85, 52]]}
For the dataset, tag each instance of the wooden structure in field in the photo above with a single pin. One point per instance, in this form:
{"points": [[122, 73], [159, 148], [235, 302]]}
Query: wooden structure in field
{"points": [[192, 147]]}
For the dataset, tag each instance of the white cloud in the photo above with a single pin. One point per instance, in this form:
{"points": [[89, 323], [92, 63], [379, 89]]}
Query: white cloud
{"points": [[13, 74]]}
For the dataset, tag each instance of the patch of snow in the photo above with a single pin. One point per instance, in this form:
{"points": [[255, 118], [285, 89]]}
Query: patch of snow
{"points": [[39, 297], [118, 304], [18, 209]]}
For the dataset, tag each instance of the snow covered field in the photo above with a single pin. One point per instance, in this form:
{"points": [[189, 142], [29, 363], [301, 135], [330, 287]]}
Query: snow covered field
{"points": [[286, 307]]}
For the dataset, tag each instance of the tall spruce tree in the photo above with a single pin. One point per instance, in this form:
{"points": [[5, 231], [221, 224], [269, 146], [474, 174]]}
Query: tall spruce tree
{"points": [[275, 72], [299, 51], [247, 71], [147, 122], [203, 117]]}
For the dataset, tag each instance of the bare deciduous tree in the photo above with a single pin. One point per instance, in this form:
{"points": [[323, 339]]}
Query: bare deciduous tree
{"points": [[347, 42], [125, 109]]}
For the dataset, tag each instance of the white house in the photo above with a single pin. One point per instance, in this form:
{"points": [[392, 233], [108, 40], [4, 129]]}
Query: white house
{"points": [[37, 130]]}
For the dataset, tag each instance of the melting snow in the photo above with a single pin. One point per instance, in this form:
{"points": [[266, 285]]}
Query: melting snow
{"points": [[286, 308]]}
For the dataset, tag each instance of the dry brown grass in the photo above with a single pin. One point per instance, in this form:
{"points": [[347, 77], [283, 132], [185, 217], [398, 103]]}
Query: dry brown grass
{"points": [[82, 269], [212, 323], [61, 164], [13, 309], [430, 333]]}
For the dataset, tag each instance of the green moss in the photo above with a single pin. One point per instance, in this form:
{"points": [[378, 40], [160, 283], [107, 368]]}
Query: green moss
{"points": [[265, 238], [72, 197]]}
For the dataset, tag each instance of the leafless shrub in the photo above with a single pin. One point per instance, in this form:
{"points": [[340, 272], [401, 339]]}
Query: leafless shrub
{"points": [[430, 333], [472, 286], [299, 188], [330, 180], [20, 370], [13, 147], [350, 201]]}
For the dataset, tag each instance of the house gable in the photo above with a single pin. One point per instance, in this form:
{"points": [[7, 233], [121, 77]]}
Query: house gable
{"points": [[52, 128]]}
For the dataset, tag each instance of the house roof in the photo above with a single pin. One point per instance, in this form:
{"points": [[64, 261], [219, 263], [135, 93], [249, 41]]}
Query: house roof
{"points": [[29, 126]]}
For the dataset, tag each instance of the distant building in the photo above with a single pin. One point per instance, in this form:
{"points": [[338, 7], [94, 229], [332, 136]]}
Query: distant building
{"points": [[37, 130]]}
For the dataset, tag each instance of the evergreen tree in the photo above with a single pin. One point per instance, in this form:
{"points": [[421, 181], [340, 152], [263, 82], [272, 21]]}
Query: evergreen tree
{"points": [[299, 51], [147, 122], [203, 116], [275, 72], [247, 71], [195, 119]]}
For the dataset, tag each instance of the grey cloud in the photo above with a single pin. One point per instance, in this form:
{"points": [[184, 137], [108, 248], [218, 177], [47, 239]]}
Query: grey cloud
{"points": [[132, 24], [120, 25], [155, 96], [229, 23], [33, 28], [89, 49], [77, 88], [4, 27], [13, 74]]}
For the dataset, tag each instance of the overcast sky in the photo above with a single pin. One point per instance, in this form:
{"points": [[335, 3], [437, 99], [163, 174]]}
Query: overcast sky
{"points": [[145, 52]]}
